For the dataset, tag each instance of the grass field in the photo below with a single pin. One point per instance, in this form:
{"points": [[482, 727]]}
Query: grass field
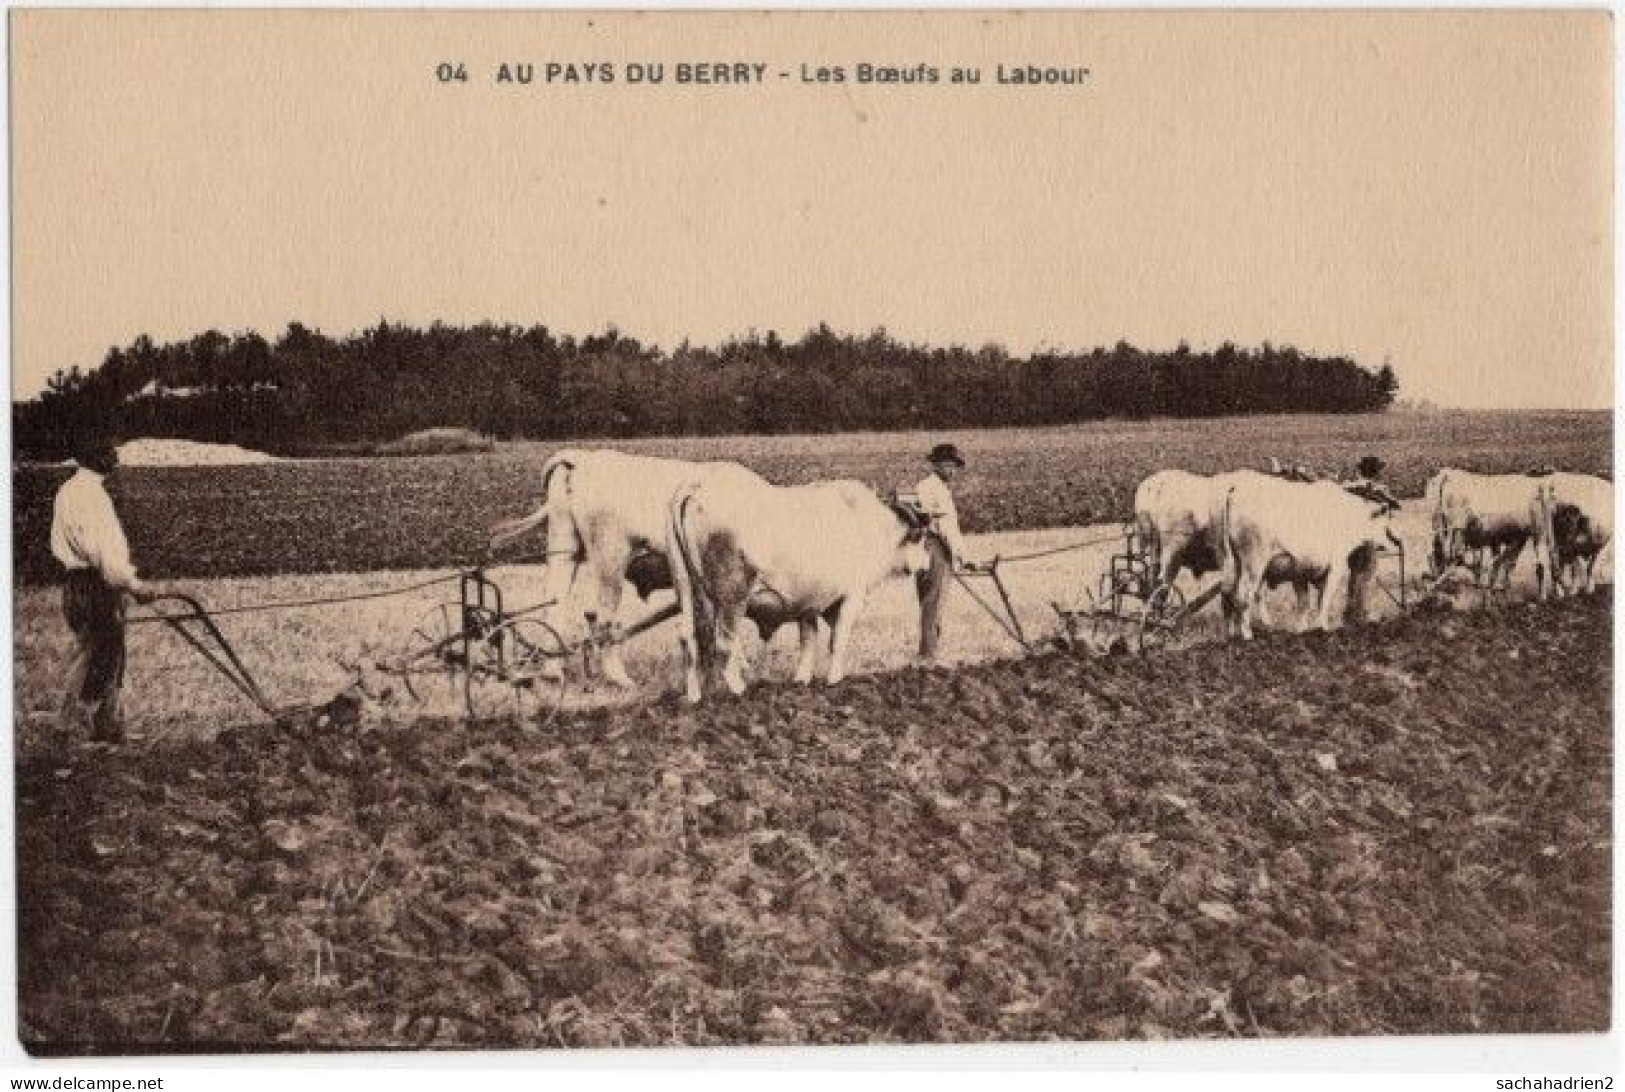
{"points": [[363, 515]]}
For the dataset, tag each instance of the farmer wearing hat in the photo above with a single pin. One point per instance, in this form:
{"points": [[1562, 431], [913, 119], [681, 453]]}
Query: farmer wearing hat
{"points": [[946, 547], [1367, 483], [88, 541]]}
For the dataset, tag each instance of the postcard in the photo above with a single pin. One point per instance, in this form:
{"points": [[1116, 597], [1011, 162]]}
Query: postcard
{"points": [[553, 530]]}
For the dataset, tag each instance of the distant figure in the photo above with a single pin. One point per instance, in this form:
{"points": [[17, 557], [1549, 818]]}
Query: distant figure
{"points": [[1368, 469], [1367, 483], [944, 544], [88, 541], [1293, 472]]}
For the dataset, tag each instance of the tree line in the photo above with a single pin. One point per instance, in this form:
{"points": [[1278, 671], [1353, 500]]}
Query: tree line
{"points": [[307, 391]]}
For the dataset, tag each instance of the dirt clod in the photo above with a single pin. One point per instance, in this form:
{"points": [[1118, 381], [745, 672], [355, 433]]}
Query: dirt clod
{"points": [[1103, 863]]}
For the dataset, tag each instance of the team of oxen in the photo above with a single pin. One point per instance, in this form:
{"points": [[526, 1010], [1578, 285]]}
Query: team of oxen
{"points": [[735, 547], [1324, 537]]}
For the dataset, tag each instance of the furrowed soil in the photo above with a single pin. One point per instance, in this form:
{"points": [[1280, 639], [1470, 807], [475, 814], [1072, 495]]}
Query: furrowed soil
{"points": [[1396, 828]]}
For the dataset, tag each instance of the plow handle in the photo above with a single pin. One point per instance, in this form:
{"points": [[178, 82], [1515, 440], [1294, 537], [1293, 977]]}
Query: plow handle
{"points": [[221, 656]]}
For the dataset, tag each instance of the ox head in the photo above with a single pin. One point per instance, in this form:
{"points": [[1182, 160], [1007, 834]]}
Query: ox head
{"points": [[1572, 533], [912, 555]]}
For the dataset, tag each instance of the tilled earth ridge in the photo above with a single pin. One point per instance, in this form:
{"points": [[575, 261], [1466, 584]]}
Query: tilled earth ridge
{"points": [[1399, 828]]}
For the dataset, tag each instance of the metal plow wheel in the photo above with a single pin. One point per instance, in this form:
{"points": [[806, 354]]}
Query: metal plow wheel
{"points": [[431, 667], [516, 670], [460, 661]]}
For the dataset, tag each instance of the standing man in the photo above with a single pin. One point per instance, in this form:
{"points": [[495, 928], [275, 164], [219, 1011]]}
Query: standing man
{"points": [[946, 547], [88, 541]]}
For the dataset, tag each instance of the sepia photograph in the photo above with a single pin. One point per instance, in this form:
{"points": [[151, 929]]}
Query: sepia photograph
{"points": [[550, 530]]}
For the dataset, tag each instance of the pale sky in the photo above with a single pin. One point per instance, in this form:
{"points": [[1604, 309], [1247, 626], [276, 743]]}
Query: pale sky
{"points": [[1435, 187]]}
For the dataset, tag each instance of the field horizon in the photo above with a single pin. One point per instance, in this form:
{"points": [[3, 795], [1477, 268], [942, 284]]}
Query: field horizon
{"points": [[365, 514]]}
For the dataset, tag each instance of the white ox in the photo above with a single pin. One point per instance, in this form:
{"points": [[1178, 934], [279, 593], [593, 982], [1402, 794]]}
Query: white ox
{"points": [[602, 509], [1311, 533], [1174, 519], [1178, 517], [1577, 525], [1493, 512], [800, 553]]}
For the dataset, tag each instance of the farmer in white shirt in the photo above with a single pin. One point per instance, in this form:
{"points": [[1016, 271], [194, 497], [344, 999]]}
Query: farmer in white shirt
{"points": [[946, 547], [88, 541]]}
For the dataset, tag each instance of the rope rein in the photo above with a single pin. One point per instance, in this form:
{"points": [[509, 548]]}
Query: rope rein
{"points": [[387, 593], [292, 604], [1103, 540]]}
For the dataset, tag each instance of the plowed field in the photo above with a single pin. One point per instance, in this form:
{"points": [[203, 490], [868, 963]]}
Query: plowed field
{"points": [[1397, 828], [363, 515]]}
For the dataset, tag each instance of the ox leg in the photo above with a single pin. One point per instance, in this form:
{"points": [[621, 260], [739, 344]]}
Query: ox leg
{"points": [[693, 615], [1230, 604], [728, 639], [1439, 552], [1336, 577], [1304, 591], [559, 577], [840, 639], [1592, 562], [809, 649], [611, 568], [1505, 561], [1260, 613], [688, 646], [1248, 598]]}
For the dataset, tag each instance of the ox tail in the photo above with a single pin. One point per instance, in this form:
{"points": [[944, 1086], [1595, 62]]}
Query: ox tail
{"points": [[510, 529], [1229, 557], [1362, 568], [1548, 563], [1440, 555], [562, 463], [696, 612]]}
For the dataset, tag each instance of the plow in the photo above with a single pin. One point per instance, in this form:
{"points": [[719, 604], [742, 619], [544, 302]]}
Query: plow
{"points": [[496, 662], [1130, 606], [472, 657]]}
